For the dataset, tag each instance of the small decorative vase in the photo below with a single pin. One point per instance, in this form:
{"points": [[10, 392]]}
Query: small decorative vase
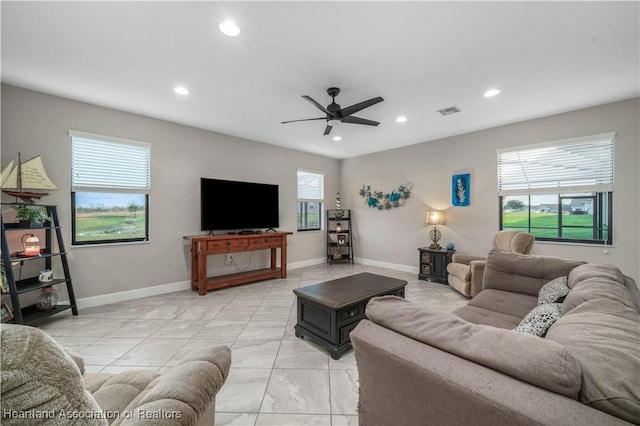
{"points": [[47, 300]]}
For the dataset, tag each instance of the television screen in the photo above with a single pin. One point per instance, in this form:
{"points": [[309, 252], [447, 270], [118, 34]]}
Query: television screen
{"points": [[236, 206]]}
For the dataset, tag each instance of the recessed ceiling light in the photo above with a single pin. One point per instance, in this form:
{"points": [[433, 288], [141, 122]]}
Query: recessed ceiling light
{"points": [[181, 91], [401, 119], [229, 28], [491, 92], [337, 138]]}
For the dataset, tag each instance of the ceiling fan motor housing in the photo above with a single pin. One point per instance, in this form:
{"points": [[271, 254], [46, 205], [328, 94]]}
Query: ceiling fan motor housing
{"points": [[333, 91]]}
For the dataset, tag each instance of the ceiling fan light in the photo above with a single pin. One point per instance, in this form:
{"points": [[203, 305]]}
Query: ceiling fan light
{"points": [[333, 122], [229, 28]]}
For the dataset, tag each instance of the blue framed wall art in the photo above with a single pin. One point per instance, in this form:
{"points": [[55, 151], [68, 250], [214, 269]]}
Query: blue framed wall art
{"points": [[461, 190]]}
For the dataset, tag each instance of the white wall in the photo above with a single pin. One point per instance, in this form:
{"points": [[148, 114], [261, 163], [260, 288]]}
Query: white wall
{"points": [[35, 123], [393, 236]]}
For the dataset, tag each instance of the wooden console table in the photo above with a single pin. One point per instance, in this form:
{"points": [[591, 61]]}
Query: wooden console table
{"points": [[203, 246]]}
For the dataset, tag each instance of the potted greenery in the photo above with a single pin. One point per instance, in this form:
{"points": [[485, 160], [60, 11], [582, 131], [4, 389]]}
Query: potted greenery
{"points": [[31, 216]]}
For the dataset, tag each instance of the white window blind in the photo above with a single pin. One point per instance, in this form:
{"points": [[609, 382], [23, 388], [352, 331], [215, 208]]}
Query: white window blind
{"points": [[105, 164], [310, 186], [569, 166]]}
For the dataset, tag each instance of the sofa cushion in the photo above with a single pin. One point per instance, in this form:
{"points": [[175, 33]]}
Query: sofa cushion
{"points": [[537, 361], [497, 308], [538, 321], [519, 273], [600, 327], [37, 374], [597, 281], [554, 291]]}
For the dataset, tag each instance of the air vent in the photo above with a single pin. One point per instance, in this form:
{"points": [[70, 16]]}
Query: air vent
{"points": [[449, 111]]}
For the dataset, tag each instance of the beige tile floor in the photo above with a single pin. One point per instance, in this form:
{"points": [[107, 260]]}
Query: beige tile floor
{"points": [[275, 378]]}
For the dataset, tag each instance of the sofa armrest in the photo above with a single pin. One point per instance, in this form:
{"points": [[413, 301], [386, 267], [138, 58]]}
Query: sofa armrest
{"points": [[182, 395], [465, 258], [76, 358], [188, 389], [477, 276], [406, 382]]}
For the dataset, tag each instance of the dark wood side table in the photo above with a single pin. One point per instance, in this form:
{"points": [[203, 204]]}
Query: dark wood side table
{"points": [[327, 312], [433, 264]]}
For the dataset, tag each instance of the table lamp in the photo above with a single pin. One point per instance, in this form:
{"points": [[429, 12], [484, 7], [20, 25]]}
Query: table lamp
{"points": [[435, 217], [30, 245]]}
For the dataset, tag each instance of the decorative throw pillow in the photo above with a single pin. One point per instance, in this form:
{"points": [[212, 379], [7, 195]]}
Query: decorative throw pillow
{"points": [[554, 291], [538, 321]]}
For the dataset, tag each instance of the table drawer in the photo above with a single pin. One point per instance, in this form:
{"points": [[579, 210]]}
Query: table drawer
{"points": [[352, 313], [228, 245], [344, 332], [265, 242]]}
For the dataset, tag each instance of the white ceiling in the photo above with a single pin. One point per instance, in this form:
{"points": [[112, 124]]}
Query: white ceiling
{"points": [[420, 57]]}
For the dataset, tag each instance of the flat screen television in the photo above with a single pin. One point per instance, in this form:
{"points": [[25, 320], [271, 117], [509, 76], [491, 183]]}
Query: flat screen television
{"points": [[237, 206]]}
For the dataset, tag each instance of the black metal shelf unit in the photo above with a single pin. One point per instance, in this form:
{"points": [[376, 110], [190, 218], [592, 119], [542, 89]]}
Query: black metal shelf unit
{"points": [[339, 236], [54, 250]]}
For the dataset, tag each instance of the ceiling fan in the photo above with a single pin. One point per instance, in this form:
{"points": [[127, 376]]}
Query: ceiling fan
{"points": [[336, 115]]}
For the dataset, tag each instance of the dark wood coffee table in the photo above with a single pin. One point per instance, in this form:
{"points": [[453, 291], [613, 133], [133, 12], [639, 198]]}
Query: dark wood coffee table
{"points": [[327, 312]]}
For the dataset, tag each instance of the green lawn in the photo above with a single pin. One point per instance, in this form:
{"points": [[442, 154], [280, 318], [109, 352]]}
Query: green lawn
{"points": [[313, 220], [545, 225], [96, 226]]}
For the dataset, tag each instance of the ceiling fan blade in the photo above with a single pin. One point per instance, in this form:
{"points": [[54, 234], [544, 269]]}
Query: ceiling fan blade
{"points": [[327, 130], [358, 120], [320, 107], [360, 106], [304, 119]]}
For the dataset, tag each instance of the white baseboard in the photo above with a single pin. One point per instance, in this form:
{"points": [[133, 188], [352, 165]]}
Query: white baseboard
{"points": [[305, 263], [394, 266], [121, 296]]}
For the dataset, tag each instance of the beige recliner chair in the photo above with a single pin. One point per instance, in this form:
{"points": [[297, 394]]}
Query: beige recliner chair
{"points": [[40, 378], [466, 271]]}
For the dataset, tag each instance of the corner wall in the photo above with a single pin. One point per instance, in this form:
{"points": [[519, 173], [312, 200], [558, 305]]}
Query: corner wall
{"points": [[393, 236], [35, 123]]}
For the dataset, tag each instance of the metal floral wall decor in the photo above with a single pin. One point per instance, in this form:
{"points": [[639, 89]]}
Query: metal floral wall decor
{"points": [[460, 189], [381, 201]]}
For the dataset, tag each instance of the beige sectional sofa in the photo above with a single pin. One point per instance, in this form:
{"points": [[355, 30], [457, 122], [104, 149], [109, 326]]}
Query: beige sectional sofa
{"points": [[422, 367], [42, 383]]}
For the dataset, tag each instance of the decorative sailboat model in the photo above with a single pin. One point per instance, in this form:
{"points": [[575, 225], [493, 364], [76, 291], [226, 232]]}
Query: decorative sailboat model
{"points": [[27, 180]]}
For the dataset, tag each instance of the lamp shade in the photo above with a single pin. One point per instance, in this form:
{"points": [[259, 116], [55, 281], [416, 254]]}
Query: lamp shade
{"points": [[435, 217]]}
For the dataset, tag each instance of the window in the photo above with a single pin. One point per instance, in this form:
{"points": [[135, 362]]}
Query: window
{"points": [[559, 191], [110, 182], [310, 200]]}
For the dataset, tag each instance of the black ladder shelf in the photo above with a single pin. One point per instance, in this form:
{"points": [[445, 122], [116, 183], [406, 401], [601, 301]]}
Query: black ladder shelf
{"points": [[339, 236], [54, 249]]}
